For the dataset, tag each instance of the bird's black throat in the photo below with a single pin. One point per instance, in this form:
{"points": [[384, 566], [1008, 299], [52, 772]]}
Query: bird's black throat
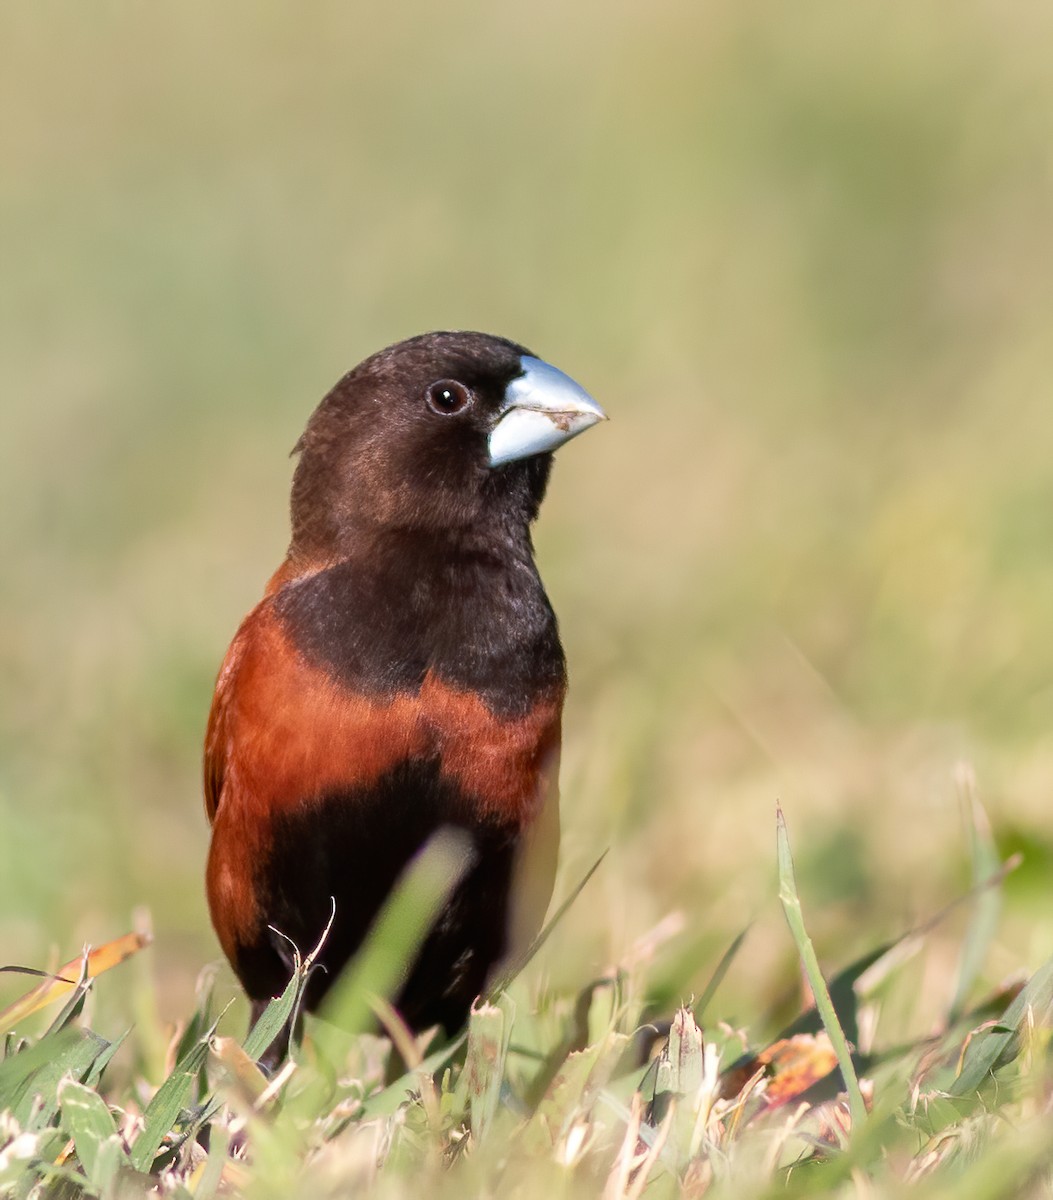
{"points": [[471, 611]]}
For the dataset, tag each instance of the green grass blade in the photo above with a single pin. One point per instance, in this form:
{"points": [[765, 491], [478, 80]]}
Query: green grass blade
{"points": [[110, 1161], [387, 1101], [489, 1033], [508, 975], [988, 904], [717, 978], [75, 1003], [218, 1157], [102, 1061], [380, 966], [992, 1047], [791, 903], [86, 1117], [679, 1067], [29, 1080], [169, 1100], [275, 1016]]}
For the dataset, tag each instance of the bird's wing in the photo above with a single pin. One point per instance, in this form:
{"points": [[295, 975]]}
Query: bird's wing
{"points": [[216, 735]]}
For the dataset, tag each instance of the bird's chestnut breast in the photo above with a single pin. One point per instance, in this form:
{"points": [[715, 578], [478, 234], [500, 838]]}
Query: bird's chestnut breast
{"points": [[292, 731]]}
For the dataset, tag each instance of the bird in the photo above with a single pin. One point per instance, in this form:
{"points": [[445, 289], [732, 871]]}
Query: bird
{"points": [[402, 674]]}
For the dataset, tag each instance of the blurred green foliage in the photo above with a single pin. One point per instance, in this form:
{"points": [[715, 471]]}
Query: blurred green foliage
{"points": [[802, 255]]}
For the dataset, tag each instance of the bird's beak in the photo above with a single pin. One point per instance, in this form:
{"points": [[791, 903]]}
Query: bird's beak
{"points": [[543, 409]]}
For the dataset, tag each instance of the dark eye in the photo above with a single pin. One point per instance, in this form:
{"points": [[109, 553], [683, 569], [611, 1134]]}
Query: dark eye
{"points": [[448, 397]]}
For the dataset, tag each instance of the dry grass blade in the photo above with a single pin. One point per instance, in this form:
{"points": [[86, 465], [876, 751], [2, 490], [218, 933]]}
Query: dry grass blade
{"points": [[240, 1068], [90, 964], [632, 1167]]}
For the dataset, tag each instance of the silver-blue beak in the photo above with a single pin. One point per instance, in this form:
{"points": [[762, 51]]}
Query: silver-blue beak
{"points": [[543, 409]]}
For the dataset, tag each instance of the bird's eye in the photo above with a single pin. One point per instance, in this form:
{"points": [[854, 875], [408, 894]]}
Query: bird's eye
{"points": [[448, 397]]}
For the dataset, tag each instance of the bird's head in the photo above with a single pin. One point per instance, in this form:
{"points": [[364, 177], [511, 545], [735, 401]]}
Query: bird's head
{"points": [[445, 431]]}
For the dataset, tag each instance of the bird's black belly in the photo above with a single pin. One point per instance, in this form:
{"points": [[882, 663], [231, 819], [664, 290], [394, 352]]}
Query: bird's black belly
{"points": [[351, 848]]}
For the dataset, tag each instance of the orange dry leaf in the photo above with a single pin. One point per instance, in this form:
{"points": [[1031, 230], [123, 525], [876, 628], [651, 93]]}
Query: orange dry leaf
{"points": [[796, 1064], [792, 1066], [90, 964]]}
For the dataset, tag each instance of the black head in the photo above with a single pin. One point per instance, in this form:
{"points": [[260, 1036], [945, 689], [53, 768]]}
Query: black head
{"points": [[406, 441]]}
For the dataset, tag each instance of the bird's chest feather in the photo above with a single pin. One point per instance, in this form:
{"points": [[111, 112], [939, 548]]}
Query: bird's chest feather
{"points": [[332, 691]]}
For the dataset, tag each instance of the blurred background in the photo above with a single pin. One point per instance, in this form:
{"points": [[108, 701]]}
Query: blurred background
{"points": [[803, 254]]}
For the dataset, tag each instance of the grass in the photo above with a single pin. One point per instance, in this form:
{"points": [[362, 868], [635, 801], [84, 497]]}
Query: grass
{"points": [[800, 255], [582, 1098]]}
